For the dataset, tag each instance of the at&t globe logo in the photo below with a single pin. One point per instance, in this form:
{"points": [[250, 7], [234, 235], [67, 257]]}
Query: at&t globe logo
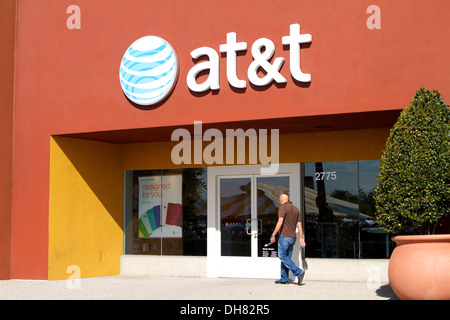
{"points": [[149, 70]]}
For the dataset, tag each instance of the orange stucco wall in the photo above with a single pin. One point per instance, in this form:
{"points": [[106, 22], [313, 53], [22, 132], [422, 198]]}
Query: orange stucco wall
{"points": [[7, 42], [67, 80]]}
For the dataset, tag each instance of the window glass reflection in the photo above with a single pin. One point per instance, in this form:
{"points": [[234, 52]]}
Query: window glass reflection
{"points": [[340, 211], [235, 214], [331, 209]]}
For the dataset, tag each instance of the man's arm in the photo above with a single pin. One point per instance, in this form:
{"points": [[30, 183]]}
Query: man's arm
{"points": [[277, 228], [300, 234]]}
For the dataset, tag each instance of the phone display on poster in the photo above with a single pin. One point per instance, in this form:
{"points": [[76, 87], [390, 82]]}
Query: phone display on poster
{"points": [[160, 209]]}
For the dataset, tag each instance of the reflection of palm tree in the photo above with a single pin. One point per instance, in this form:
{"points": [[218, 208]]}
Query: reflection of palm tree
{"points": [[325, 210], [367, 202], [193, 186], [344, 195]]}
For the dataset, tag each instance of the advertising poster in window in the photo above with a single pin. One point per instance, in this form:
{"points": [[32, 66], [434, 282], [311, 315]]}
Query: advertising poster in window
{"points": [[160, 209]]}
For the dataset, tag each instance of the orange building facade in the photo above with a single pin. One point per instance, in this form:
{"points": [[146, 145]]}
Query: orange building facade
{"points": [[330, 76]]}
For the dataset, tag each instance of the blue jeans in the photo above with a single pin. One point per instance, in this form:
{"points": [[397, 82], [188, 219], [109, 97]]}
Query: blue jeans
{"points": [[285, 248]]}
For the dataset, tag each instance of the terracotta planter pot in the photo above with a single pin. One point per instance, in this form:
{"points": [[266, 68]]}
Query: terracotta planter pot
{"points": [[419, 268]]}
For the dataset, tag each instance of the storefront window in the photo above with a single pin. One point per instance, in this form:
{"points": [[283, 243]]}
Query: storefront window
{"points": [[165, 212], [339, 211], [331, 219]]}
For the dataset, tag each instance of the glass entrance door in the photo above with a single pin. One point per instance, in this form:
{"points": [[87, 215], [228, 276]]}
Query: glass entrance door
{"points": [[248, 214], [242, 214], [268, 191]]}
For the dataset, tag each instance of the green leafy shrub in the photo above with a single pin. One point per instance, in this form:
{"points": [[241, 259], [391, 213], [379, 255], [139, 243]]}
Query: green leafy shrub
{"points": [[413, 190]]}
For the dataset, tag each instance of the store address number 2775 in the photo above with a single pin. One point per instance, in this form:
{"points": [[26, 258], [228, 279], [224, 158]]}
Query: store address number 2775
{"points": [[325, 175]]}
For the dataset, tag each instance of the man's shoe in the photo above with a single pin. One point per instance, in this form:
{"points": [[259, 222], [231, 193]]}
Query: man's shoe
{"points": [[300, 277], [281, 282]]}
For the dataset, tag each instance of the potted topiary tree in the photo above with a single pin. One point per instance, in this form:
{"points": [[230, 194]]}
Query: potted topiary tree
{"points": [[413, 196]]}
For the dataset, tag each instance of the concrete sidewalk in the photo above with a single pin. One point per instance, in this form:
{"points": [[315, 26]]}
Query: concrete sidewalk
{"points": [[187, 288]]}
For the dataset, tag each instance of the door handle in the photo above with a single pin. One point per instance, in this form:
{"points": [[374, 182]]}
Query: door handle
{"points": [[260, 226], [247, 225]]}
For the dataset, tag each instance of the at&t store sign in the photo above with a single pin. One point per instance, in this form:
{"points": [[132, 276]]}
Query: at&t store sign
{"points": [[149, 68]]}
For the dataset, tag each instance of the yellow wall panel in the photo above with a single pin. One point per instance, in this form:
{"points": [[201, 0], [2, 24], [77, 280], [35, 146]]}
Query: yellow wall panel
{"points": [[345, 145], [85, 218]]}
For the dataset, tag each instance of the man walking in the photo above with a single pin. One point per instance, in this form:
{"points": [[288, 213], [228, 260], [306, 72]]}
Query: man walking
{"points": [[288, 219]]}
